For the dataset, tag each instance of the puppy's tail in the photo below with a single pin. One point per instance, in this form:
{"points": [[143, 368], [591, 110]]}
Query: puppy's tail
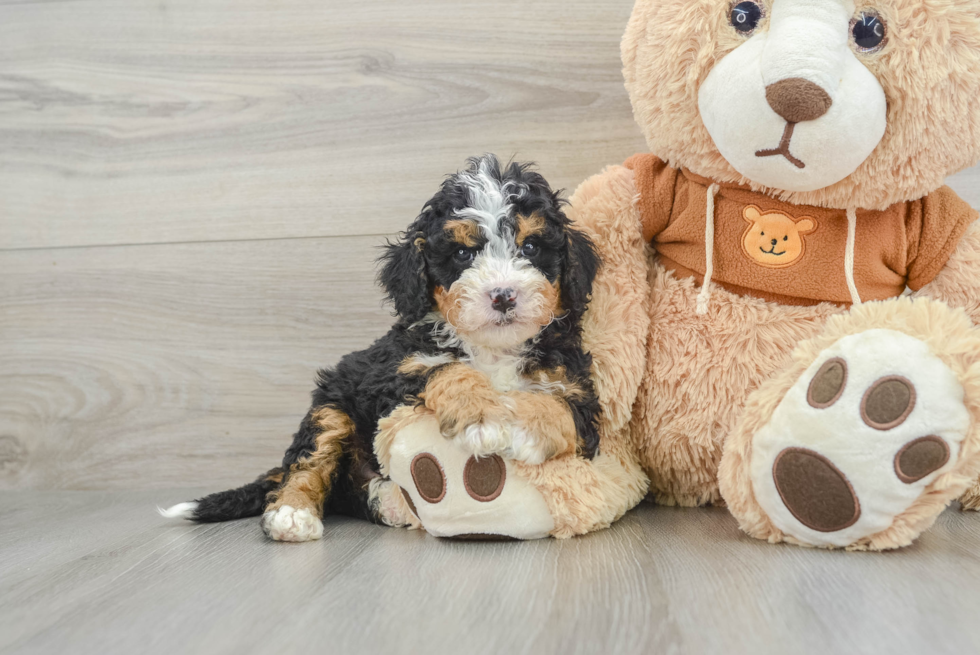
{"points": [[229, 505]]}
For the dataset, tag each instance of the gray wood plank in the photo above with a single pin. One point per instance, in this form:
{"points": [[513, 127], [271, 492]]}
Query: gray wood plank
{"points": [[150, 366], [141, 121], [90, 572]]}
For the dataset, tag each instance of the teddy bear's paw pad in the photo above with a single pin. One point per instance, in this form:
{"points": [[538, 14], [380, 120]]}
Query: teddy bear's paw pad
{"points": [[289, 524], [484, 478], [873, 422], [429, 477]]}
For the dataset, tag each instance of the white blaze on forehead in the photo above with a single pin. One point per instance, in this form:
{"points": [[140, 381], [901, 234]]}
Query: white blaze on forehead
{"points": [[490, 205]]}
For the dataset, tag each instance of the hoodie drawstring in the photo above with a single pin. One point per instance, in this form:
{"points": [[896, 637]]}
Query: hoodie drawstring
{"points": [[849, 256], [709, 251]]}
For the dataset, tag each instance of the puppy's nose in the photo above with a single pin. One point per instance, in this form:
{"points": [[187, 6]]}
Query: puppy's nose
{"points": [[503, 299], [798, 100]]}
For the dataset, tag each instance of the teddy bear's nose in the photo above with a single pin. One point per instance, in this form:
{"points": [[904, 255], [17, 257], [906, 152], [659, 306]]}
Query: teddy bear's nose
{"points": [[774, 242], [798, 100]]}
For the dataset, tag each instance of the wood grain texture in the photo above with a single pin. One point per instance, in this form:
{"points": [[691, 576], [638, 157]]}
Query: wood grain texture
{"points": [[149, 121], [87, 572], [147, 366]]}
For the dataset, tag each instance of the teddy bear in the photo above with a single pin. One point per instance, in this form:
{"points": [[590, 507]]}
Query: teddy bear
{"points": [[808, 286]]}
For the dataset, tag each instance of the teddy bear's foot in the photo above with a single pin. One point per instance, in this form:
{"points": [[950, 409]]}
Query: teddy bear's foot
{"points": [[453, 493], [862, 451]]}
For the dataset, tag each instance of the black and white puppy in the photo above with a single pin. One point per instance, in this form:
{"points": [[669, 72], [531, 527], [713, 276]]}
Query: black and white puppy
{"points": [[490, 284]]}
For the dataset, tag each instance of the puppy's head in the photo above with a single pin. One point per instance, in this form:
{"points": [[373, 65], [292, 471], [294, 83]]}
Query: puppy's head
{"points": [[494, 254]]}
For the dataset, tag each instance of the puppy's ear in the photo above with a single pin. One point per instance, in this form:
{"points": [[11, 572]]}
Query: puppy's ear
{"points": [[403, 275], [580, 267]]}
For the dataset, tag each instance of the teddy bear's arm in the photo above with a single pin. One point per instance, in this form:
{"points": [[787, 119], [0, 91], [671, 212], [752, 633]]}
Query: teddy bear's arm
{"points": [[958, 284]]}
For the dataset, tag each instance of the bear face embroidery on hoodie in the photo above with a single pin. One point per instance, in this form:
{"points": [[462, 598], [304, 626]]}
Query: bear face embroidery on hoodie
{"points": [[774, 239]]}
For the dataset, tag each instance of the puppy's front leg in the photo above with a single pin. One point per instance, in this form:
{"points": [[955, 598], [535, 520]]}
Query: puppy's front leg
{"points": [[462, 397], [542, 427]]}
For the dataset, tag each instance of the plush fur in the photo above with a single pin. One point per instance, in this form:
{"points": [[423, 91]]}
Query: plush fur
{"points": [[490, 284]]}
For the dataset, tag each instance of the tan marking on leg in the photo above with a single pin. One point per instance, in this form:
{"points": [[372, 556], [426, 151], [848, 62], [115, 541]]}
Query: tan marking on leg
{"points": [[529, 226], [466, 233], [309, 479], [556, 382], [460, 397], [548, 420]]}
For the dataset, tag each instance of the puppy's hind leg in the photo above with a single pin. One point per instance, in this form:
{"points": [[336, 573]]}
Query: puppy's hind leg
{"points": [[297, 507]]}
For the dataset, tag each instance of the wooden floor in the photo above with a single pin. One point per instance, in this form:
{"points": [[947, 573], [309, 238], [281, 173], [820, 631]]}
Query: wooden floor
{"points": [[99, 572], [191, 196]]}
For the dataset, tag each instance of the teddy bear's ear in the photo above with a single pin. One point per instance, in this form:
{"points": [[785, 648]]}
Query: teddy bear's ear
{"points": [[752, 213], [805, 226]]}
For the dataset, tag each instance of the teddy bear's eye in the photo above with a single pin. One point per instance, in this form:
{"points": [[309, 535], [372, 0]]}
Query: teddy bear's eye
{"points": [[868, 31], [786, 238], [745, 16], [763, 234]]}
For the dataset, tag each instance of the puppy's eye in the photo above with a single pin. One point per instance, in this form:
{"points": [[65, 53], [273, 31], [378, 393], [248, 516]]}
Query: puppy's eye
{"points": [[463, 256], [868, 31], [530, 249], [745, 16]]}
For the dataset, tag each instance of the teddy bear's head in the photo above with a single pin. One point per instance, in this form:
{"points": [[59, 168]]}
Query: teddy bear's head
{"points": [[820, 102]]}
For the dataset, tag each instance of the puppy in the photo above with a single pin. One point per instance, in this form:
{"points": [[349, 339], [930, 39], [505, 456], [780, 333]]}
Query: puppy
{"points": [[489, 284]]}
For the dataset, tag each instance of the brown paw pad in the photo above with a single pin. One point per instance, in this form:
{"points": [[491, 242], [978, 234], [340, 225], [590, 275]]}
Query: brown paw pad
{"points": [[429, 478], [815, 491], [919, 458], [828, 384], [484, 477], [408, 500], [888, 402]]}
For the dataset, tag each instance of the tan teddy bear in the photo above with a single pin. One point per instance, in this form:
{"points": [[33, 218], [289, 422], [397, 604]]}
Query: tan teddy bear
{"points": [[806, 392], [793, 195]]}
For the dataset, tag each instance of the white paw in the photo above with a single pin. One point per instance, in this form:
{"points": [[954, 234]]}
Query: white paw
{"points": [[874, 420], [387, 500], [524, 448], [485, 439], [289, 524], [508, 441]]}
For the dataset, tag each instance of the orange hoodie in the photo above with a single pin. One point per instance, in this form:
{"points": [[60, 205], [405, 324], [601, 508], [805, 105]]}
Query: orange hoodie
{"points": [[794, 254]]}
